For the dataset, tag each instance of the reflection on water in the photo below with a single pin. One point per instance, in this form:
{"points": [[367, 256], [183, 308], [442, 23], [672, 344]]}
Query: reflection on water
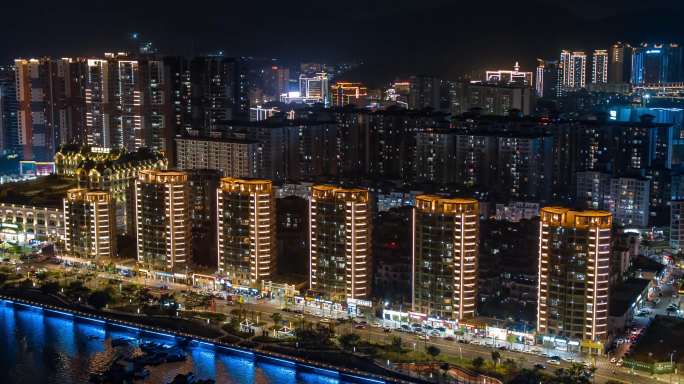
{"points": [[42, 348]]}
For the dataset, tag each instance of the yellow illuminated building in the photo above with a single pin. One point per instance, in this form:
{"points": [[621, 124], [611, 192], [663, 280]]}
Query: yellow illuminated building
{"points": [[574, 262], [246, 230], [340, 242], [163, 220], [445, 256], [89, 224]]}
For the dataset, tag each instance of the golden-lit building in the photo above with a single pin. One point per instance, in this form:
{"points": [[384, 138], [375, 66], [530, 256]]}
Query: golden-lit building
{"points": [[574, 263], [445, 256], [246, 230], [340, 242], [345, 93], [89, 224], [111, 170], [163, 220]]}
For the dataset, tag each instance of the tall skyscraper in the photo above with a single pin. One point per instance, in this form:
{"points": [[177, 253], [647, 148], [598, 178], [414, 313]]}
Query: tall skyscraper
{"points": [[9, 131], [657, 64], [508, 76], [599, 66], [573, 66], [620, 63], [89, 224], [163, 220], [547, 78], [574, 263], [445, 256], [340, 242], [246, 231]]}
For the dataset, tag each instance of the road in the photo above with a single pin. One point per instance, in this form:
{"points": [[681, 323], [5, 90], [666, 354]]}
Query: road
{"points": [[604, 370]]}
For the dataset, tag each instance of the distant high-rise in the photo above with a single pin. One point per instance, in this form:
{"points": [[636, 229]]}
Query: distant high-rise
{"points": [[657, 64], [340, 242], [547, 81], [573, 66], [445, 257], [346, 93], [599, 66], [574, 264], [424, 92], [246, 231], [507, 76], [163, 220], [315, 87], [89, 224], [620, 63]]}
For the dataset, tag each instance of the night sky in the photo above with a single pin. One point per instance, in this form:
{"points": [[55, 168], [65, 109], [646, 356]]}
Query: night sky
{"points": [[392, 36]]}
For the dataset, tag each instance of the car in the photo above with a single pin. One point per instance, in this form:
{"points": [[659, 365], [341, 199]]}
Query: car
{"points": [[552, 361], [503, 348], [556, 357], [376, 324], [618, 364], [613, 360], [449, 338], [539, 366], [359, 326], [435, 334], [387, 330], [405, 328], [423, 337]]}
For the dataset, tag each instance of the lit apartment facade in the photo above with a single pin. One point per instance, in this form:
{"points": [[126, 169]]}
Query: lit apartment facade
{"points": [[573, 288], [445, 256], [246, 231], [89, 224], [234, 157], [340, 242], [163, 220]]}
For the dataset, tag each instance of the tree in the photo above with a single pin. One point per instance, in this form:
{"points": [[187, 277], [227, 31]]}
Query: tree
{"points": [[576, 374], [432, 351], [349, 340], [277, 318], [99, 299], [495, 357], [395, 343], [478, 362], [49, 287]]}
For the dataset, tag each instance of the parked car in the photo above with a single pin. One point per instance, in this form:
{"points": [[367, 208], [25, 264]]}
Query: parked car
{"points": [[552, 361], [539, 366]]}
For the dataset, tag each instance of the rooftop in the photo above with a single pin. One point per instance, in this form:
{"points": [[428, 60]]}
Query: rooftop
{"points": [[46, 191]]}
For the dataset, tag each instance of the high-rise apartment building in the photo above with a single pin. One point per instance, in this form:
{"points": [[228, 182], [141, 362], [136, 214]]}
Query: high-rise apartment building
{"points": [[573, 67], [163, 220], [620, 63], [202, 184], [89, 224], [424, 92], [656, 64], [573, 288], [340, 242], [507, 76], [599, 66], [246, 231], [234, 157], [445, 257]]}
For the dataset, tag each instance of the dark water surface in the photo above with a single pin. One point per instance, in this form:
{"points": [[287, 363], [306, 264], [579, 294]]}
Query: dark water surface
{"points": [[40, 347]]}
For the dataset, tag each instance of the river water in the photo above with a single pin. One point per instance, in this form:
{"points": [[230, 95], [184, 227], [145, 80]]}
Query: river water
{"points": [[40, 347]]}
